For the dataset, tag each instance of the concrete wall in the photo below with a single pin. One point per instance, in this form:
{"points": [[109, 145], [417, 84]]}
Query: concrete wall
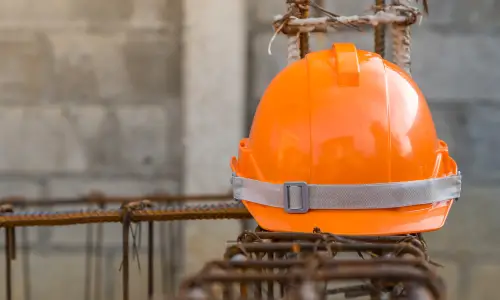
{"points": [[124, 97], [455, 59], [136, 96]]}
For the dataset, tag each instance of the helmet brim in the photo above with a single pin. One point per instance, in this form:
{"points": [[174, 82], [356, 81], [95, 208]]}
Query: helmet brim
{"points": [[368, 222]]}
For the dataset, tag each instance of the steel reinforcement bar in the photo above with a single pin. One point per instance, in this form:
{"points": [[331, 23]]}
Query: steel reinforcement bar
{"points": [[130, 212], [307, 266], [100, 199], [134, 213]]}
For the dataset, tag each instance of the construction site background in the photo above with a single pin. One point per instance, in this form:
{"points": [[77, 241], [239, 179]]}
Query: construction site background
{"points": [[131, 97]]}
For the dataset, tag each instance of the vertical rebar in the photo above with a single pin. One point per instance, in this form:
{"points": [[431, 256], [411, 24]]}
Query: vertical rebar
{"points": [[172, 257], [163, 258], [98, 257], [150, 259], [125, 266], [26, 263], [270, 284], [8, 263], [88, 261], [13, 243], [376, 293], [304, 37], [401, 43], [258, 285], [181, 246], [177, 253], [380, 31]]}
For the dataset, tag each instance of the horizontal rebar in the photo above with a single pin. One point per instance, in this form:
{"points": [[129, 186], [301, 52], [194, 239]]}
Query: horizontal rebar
{"points": [[99, 198], [186, 212]]}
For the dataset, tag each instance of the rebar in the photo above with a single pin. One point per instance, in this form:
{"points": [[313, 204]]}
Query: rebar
{"points": [[379, 32], [125, 259], [98, 198], [150, 260], [304, 264], [187, 212]]}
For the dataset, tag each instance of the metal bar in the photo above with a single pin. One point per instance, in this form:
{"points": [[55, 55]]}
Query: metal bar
{"points": [[25, 202], [163, 258], [150, 260], [98, 257], [26, 263], [88, 261], [8, 263], [304, 37], [125, 261], [380, 31], [192, 212]]}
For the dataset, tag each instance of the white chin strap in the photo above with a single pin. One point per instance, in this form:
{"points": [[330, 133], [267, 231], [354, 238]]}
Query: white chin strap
{"points": [[300, 197]]}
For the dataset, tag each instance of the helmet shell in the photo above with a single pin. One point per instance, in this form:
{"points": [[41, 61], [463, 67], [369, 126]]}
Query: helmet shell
{"points": [[345, 116]]}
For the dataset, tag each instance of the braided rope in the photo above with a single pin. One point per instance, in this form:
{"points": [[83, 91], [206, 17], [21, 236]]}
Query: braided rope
{"points": [[293, 48]]}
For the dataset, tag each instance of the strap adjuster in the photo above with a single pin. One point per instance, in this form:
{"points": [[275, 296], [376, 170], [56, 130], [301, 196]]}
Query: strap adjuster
{"points": [[304, 197]]}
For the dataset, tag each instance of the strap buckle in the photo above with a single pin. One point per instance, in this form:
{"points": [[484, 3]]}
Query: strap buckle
{"points": [[304, 197]]}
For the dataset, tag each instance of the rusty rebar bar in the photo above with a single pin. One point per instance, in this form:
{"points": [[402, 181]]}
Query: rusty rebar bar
{"points": [[284, 247], [9, 251], [163, 258], [26, 263], [89, 236], [377, 270], [379, 31], [304, 36], [307, 262], [125, 259], [150, 260], [98, 257], [382, 271], [8, 263], [187, 212], [97, 198]]}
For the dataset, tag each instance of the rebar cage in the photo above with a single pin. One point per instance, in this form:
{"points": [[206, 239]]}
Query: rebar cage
{"points": [[301, 266]]}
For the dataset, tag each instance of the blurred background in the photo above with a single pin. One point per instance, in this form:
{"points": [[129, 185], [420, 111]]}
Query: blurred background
{"points": [[131, 97]]}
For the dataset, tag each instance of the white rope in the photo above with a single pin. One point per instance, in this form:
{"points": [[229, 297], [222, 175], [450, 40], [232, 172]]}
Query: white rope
{"points": [[293, 39], [293, 48]]}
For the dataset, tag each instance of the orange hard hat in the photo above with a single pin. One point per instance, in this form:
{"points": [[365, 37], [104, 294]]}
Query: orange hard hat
{"points": [[344, 141]]}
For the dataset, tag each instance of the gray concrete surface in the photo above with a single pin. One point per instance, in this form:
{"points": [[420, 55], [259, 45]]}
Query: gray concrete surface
{"points": [[135, 96]]}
